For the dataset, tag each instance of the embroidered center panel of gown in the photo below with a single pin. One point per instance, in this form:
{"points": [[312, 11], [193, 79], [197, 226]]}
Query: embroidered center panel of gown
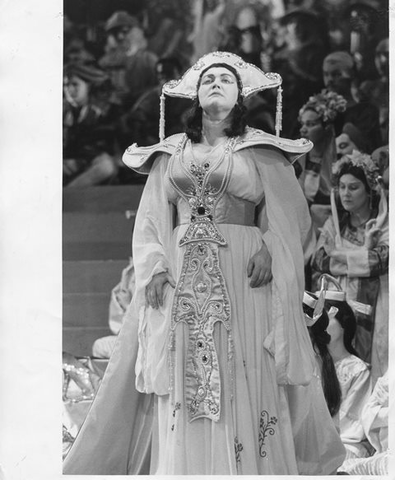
{"points": [[201, 298]]}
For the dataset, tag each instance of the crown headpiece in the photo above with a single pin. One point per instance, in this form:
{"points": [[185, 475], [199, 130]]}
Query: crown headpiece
{"points": [[316, 304], [252, 78], [337, 294]]}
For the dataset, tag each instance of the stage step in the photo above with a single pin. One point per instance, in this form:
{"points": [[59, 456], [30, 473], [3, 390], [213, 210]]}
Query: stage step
{"points": [[97, 237], [90, 276], [85, 309], [88, 236], [101, 199], [79, 341]]}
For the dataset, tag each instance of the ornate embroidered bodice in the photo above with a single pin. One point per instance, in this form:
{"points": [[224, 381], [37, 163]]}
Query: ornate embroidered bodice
{"points": [[232, 185]]}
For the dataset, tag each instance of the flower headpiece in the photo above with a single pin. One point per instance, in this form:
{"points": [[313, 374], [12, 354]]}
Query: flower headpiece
{"points": [[363, 161], [326, 104]]}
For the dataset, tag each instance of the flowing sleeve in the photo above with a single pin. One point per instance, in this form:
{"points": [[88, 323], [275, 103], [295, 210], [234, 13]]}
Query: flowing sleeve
{"points": [[361, 261], [287, 231], [153, 227], [151, 254]]}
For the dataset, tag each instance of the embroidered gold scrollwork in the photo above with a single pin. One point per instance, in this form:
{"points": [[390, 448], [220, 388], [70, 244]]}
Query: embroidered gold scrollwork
{"points": [[202, 301]]}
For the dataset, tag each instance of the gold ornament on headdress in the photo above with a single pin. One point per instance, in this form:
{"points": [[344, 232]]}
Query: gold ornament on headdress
{"points": [[279, 111]]}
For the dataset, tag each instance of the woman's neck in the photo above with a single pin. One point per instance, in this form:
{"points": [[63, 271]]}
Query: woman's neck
{"points": [[213, 130], [360, 217], [320, 148], [338, 351]]}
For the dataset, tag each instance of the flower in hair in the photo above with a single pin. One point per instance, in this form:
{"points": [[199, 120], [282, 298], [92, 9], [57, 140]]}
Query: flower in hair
{"points": [[326, 104], [361, 160]]}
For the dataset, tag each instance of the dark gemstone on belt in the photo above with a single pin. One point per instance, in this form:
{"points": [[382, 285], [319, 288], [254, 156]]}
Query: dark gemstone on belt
{"points": [[201, 210]]}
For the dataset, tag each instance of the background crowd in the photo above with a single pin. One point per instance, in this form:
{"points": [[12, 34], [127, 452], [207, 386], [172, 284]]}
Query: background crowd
{"points": [[115, 66], [333, 56]]}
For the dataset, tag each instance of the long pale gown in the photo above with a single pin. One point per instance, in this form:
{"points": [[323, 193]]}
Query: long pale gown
{"points": [[227, 370]]}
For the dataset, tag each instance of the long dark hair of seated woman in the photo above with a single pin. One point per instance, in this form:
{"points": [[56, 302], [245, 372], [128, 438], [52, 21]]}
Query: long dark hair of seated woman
{"points": [[320, 339]]}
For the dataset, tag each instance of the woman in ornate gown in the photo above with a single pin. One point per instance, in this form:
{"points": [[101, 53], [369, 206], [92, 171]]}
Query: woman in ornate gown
{"points": [[213, 370], [354, 248]]}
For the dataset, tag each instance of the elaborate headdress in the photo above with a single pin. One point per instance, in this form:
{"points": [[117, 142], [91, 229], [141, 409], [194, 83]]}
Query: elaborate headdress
{"points": [[317, 304], [330, 289], [326, 104], [337, 294], [252, 78]]}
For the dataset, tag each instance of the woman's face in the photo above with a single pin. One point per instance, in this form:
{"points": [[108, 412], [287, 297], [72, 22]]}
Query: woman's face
{"points": [[334, 328], [337, 78], [312, 127], [77, 90], [218, 90], [353, 194]]}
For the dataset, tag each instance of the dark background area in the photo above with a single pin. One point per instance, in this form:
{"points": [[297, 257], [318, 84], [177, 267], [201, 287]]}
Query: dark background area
{"points": [[92, 11]]}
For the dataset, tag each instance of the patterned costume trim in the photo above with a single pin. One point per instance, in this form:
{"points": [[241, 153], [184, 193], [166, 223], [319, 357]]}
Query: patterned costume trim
{"points": [[140, 159], [201, 298]]}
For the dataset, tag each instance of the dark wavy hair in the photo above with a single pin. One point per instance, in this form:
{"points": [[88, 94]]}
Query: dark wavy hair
{"points": [[357, 172], [238, 122], [345, 316], [320, 339]]}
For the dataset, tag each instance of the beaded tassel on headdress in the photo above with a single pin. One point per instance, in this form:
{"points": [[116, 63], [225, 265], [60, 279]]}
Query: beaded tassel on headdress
{"points": [[162, 118], [279, 112]]}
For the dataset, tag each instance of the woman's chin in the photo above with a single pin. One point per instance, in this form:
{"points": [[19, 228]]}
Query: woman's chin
{"points": [[347, 207]]}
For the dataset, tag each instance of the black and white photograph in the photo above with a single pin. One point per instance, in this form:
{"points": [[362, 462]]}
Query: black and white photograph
{"points": [[196, 238]]}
